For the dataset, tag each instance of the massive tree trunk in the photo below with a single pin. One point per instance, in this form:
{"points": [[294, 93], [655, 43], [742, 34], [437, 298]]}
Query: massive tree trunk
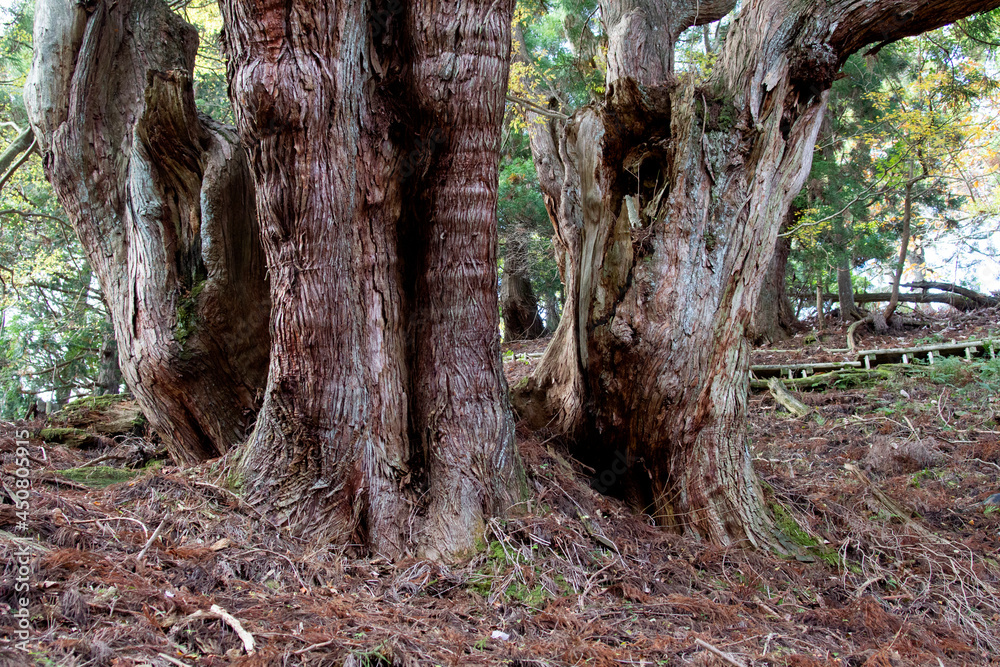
{"points": [[518, 304], [773, 318], [670, 202], [161, 199], [373, 138]]}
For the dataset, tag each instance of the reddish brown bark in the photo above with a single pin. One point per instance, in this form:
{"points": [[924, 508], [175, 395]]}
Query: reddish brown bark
{"points": [[385, 420], [163, 205], [662, 271]]}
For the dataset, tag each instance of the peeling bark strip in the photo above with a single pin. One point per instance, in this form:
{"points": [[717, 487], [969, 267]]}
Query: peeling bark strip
{"points": [[667, 199], [385, 420], [161, 199]]}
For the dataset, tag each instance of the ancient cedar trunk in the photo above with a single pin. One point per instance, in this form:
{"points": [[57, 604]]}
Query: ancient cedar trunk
{"points": [[162, 201], [372, 132], [649, 366]]}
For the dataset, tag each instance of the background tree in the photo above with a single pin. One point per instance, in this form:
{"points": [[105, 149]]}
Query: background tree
{"points": [[529, 281], [51, 307], [556, 55], [920, 103]]}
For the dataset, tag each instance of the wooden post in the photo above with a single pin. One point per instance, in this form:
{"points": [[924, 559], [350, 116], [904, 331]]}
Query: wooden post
{"points": [[819, 308]]}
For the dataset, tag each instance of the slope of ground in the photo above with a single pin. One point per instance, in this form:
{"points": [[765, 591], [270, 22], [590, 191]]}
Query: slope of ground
{"points": [[880, 493]]}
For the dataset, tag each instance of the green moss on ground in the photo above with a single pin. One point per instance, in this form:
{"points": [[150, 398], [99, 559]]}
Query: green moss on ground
{"points": [[99, 476]]}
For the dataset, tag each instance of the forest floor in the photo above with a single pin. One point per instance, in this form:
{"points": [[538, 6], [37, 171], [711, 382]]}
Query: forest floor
{"points": [[880, 492]]}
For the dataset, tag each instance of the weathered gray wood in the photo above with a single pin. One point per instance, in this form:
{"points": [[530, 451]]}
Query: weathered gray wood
{"points": [[768, 370], [942, 349]]}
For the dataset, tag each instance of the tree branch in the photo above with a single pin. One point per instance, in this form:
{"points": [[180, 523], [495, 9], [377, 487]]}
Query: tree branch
{"points": [[534, 108], [9, 162], [862, 22]]}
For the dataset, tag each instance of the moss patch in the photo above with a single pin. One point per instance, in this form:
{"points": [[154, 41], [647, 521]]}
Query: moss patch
{"points": [[95, 402], [187, 314], [72, 437], [98, 476], [790, 528]]}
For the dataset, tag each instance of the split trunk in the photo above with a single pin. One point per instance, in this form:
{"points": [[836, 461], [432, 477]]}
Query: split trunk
{"points": [[667, 199], [162, 201], [373, 135]]}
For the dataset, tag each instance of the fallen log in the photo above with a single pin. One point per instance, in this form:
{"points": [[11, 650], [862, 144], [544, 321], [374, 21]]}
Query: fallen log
{"points": [[786, 400], [846, 376], [981, 299], [955, 300]]}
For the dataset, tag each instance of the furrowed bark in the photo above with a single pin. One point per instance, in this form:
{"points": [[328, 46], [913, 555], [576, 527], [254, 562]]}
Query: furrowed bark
{"points": [[462, 414], [162, 202], [669, 208], [372, 134]]}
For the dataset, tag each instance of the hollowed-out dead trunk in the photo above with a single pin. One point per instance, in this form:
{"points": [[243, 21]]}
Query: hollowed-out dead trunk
{"points": [[373, 133], [163, 204], [667, 199]]}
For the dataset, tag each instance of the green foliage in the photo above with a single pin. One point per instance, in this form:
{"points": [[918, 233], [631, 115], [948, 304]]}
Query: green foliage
{"points": [[52, 312], [210, 86], [524, 222], [565, 48], [502, 562], [949, 371], [915, 113]]}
